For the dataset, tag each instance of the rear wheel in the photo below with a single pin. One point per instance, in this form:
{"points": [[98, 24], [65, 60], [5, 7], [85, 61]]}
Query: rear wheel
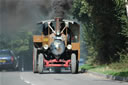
{"points": [[35, 60], [74, 63], [40, 63]]}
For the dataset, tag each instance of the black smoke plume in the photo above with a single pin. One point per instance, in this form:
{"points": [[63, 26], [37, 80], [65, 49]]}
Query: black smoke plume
{"points": [[61, 7], [18, 15]]}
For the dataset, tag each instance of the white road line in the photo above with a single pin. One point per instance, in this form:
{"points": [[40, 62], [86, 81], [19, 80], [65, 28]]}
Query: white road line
{"points": [[21, 77], [32, 84], [27, 82]]}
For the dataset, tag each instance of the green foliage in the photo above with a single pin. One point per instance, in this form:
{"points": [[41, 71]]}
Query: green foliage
{"points": [[105, 27], [87, 66], [107, 69], [122, 63], [81, 10], [20, 44], [90, 43]]}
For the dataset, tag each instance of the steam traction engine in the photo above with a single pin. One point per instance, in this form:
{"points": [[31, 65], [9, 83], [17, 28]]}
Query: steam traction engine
{"points": [[58, 46]]}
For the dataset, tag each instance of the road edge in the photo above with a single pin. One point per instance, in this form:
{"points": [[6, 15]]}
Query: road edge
{"points": [[111, 77]]}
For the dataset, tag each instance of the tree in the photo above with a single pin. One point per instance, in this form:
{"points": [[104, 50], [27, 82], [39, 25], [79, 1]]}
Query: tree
{"points": [[105, 24]]}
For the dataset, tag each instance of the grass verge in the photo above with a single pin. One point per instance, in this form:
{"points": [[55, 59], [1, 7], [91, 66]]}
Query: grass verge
{"points": [[107, 69]]}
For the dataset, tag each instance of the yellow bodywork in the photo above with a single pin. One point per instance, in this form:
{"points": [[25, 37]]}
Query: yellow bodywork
{"points": [[46, 40], [37, 38], [49, 38], [40, 39], [76, 46]]}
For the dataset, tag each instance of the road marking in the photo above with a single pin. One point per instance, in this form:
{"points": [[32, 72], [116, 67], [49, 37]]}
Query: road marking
{"points": [[21, 77], [27, 82]]}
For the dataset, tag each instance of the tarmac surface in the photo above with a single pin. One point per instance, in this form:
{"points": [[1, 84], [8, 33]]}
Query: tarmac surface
{"points": [[52, 78]]}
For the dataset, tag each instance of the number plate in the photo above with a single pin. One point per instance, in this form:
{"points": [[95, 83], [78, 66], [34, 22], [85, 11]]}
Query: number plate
{"points": [[45, 39], [2, 61]]}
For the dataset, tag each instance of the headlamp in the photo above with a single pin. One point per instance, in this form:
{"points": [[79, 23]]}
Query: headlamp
{"points": [[69, 47], [45, 46]]}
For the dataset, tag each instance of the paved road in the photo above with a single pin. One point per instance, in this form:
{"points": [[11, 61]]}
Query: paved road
{"points": [[28, 78], [11, 78]]}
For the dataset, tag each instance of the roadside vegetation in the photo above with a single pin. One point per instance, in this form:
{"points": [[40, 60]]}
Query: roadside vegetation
{"points": [[111, 69], [21, 44], [105, 34]]}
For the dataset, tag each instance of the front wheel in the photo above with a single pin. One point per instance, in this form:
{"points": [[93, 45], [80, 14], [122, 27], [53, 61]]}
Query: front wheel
{"points": [[74, 64], [40, 63], [34, 60]]}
